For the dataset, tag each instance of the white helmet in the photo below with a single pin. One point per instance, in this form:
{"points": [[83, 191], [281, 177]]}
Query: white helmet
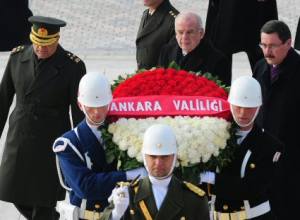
{"points": [[159, 139], [94, 90], [245, 92]]}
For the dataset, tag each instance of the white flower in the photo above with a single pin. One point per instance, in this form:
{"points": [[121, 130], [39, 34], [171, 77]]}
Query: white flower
{"points": [[198, 138]]}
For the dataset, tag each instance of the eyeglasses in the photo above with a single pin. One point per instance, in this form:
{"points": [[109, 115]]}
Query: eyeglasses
{"points": [[270, 46]]}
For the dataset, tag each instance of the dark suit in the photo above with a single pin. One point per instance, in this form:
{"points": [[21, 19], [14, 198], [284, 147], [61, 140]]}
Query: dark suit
{"points": [[14, 23], [205, 58], [44, 91], [231, 189], [297, 38], [179, 203], [234, 25], [279, 115], [154, 31]]}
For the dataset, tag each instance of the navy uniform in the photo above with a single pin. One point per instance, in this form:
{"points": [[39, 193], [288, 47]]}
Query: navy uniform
{"points": [[183, 201], [241, 189], [154, 31], [44, 89], [83, 163]]}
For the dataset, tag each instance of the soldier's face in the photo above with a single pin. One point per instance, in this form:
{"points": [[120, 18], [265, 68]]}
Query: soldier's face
{"points": [[244, 116], [94, 115], [159, 166], [273, 48], [44, 52], [188, 34]]}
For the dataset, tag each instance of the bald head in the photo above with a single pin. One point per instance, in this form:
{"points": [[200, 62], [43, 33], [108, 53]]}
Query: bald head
{"points": [[189, 30]]}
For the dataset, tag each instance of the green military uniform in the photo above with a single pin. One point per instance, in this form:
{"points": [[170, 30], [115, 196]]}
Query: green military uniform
{"points": [[44, 90], [154, 31], [183, 201]]}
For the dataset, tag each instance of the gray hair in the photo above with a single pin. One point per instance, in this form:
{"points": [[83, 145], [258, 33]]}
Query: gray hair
{"points": [[190, 15]]}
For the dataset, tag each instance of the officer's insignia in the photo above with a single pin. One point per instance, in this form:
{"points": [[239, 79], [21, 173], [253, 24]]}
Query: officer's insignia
{"points": [[60, 144], [276, 156], [252, 165], [194, 189], [172, 14], [42, 32], [132, 212], [73, 57], [122, 183], [17, 49]]}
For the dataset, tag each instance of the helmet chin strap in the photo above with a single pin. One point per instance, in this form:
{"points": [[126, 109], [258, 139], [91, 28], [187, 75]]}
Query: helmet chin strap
{"points": [[249, 123], [162, 177], [87, 115]]}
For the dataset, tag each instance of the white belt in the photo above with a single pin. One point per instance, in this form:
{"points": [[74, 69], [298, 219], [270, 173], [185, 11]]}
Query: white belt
{"points": [[258, 210]]}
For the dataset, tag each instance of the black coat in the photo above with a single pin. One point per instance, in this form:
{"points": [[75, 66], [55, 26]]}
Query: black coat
{"points": [[234, 25], [297, 38], [260, 169], [205, 58], [43, 95], [280, 115], [14, 25], [157, 31]]}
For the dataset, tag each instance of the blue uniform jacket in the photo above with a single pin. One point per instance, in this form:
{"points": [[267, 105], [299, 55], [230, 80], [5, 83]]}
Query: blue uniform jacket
{"points": [[94, 184]]}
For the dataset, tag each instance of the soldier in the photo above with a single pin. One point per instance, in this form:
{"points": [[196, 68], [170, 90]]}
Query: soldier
{"points": [[240, 191], [192, 51], [156, 29], [161, 195], [44, 77], [81, 151]]}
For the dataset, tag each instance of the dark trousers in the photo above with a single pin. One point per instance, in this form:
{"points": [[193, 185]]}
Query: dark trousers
{"points": [[37, 212]]}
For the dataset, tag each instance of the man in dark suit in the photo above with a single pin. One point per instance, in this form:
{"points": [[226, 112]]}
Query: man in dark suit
{"points": [[297, 38], [44, 77], [155, 30], [161, 195], [14, 23], [279, 76], [192, 51], [233, 26]]}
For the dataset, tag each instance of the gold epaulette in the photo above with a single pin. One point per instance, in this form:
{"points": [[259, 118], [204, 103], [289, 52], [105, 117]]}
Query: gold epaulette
{"points": [[122, 183], [172, 14], [194, 189], [73, 57], [17, 49]]}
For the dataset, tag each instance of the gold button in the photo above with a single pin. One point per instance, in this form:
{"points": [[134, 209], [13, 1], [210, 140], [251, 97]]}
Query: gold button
{"points": [[97, 206], [252, 165], [225, 207], [182, 218], [159, 145], [132, 212]]}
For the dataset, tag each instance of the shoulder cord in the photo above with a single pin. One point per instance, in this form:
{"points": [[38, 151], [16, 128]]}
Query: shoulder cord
{"points": [[66, 142]]}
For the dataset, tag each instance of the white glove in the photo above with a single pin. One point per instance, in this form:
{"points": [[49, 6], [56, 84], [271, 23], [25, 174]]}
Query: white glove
{"points": [[207, 177], [120, 199], [131, 174]]}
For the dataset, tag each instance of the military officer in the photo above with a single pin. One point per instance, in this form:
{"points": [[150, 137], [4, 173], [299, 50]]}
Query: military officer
{"points": [[81, 152], [44, 77], [156, 29], [161, 195], [240, 191]]}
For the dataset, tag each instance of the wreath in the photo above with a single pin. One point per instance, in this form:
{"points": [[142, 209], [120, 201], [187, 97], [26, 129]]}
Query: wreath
{"points": [[193, 104]]}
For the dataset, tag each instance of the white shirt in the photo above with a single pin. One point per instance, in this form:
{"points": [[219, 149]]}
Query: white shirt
{"points": [[242, 135], [160, 189], [96, 132]]}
